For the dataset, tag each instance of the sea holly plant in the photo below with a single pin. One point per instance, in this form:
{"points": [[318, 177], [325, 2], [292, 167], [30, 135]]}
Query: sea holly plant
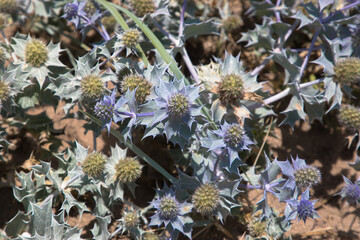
{"points": [[184, 142]]}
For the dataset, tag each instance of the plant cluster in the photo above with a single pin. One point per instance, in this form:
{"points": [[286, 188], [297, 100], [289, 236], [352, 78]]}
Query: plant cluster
{"points": [[128, 84]]}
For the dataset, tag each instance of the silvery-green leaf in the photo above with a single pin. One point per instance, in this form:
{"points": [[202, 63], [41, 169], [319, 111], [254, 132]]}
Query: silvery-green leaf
{"points": [[195, 27]]}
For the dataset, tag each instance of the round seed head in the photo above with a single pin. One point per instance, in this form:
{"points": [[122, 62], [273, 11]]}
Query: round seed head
{"points": [[232, 23], [36, 53], [142, 7], [168, 208], [178, 105], [4, 91], [109, 22], [94, 164], [257, 228], [347, 71], [349, 116], [104, 109], [71, 10], [307, 176], [9, 6], [131, 219], [231, 89], [352, 193], [206, 198], [142, 86], [305, 209], [151, 236], [128, 170], [234, 135], [92, 87], [90, 7], [3, 21], [131, 38]]}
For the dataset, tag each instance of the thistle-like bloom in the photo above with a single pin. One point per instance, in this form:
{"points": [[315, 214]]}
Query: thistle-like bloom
{"points": [[231, 139], [232, 23], [129, 39], [170, 212], [9, 6], [94, 164], [349, 116], [299, 174], [135, 81], [347, 71], [107, 110], [176, 108], [302, 209], [206, 198], [141, 8], [73, 12], [351, 191]]}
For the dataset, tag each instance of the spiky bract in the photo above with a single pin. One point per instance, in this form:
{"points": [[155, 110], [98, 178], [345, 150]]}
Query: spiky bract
{"points": [[131, 38], [232, 23], [9, 6], [178, 105], [128, 170], [36, 53], [307, 176], [4, 91], [92, 86], [206, 198], [142, 7], [349, 116], [231, 89], [135, 81], [94, 164], [347, 71]]}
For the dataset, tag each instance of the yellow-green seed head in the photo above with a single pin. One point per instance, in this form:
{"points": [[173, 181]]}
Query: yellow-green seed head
{"points": [[168, 207], [142, 7], [89, 7], [131, 219], [307, 176], [2, 54], [36, 53], [94, 164], [349, 116], [109, 22], [232, 23], [139, 83], [92, 86], [151, 236], [131, 38], [3, 21], [206, 198], [256, 228], [9, 6], [178, 106], [231, 89], [128, 170], [4, 91], [347, 71]]}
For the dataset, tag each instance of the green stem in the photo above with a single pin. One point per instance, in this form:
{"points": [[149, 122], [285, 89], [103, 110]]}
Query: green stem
{"points": [[124, 26], [135, 149]]}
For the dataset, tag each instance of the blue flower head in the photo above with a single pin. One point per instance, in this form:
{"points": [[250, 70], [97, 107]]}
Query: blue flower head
{"points": [[74, 11], [176, 109], [299, 174], [170, 212], [107, 110], [301, 209], [351, 192], [231, 139]]}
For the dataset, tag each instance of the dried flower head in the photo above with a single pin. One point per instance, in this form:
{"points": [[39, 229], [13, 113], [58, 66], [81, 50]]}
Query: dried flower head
{"points": [[232, 23], [9, 6], [131, 219], [349, 116], [4, 91], [135, 81], [231, 88], [347, 71], [36, 53], [257, 228], [94, 164], [307, 176], [178, 105], [206, 198], [131, 38], [142, 7], [128, 170], [92, 86]]}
